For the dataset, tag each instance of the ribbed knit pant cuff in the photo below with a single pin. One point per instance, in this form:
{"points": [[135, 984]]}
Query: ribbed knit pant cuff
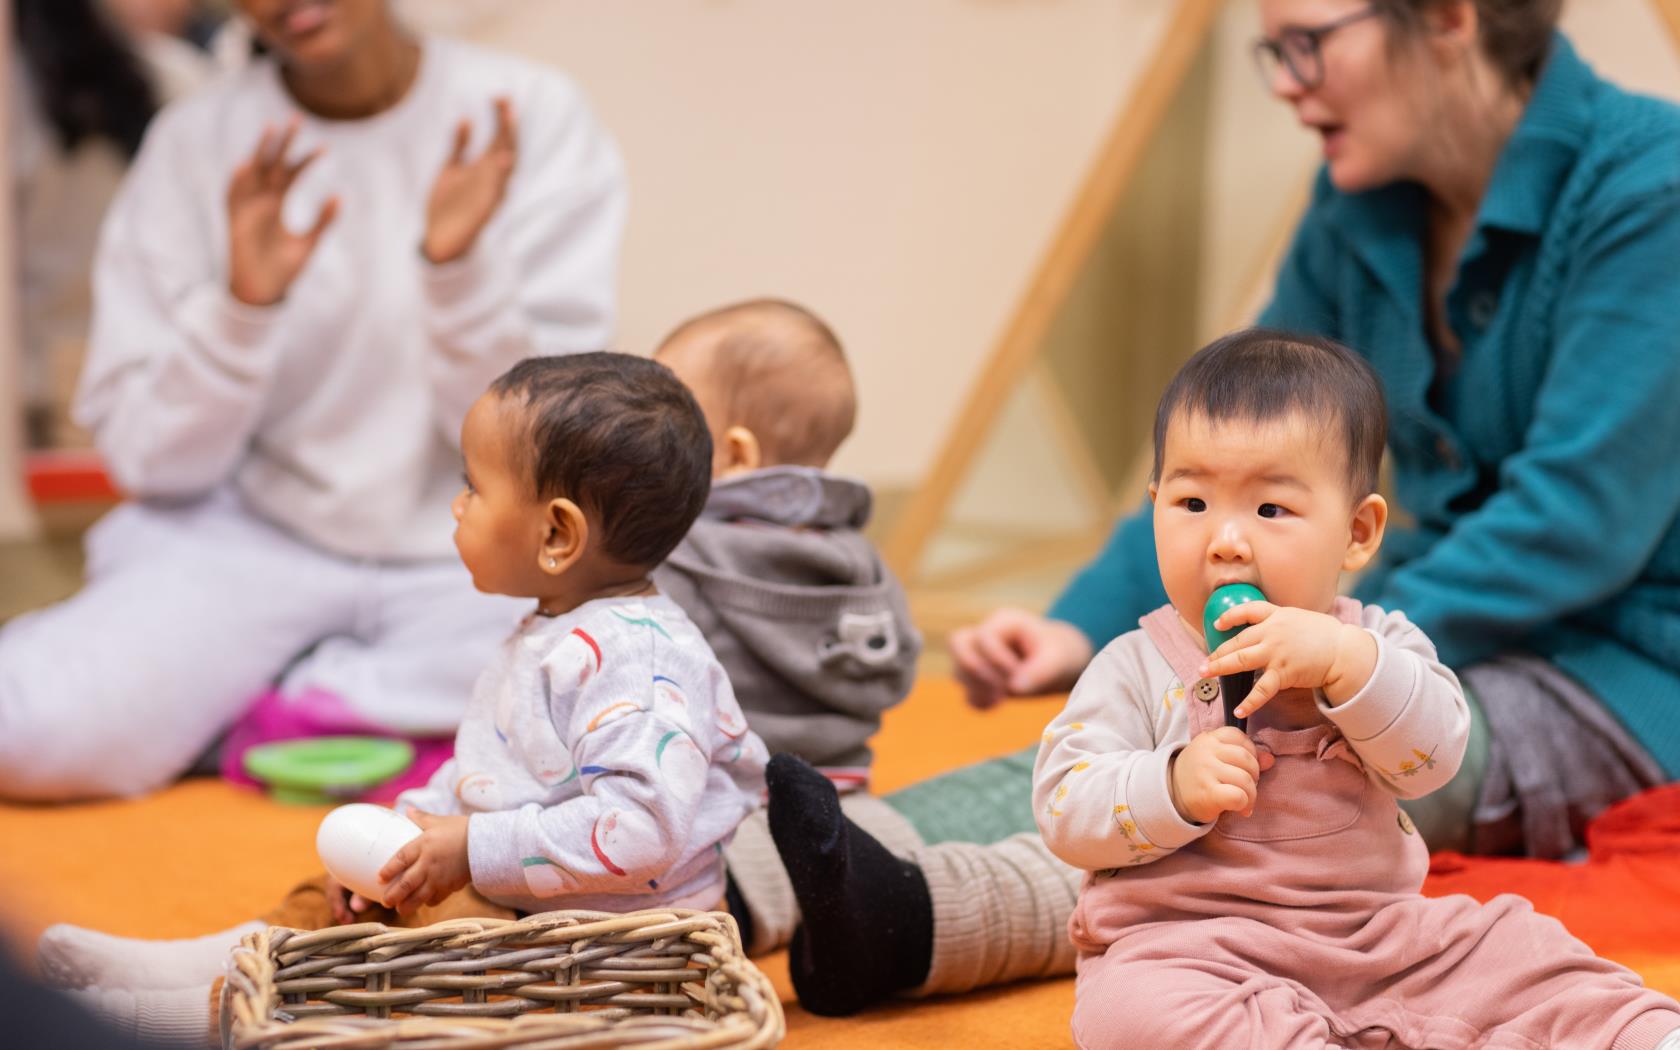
{"points": [[1000, 912], [1648, 1030]]}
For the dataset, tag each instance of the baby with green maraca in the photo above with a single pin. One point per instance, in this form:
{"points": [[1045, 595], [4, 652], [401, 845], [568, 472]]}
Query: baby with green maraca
{"points": [[1249, 509], [1255, 883]]}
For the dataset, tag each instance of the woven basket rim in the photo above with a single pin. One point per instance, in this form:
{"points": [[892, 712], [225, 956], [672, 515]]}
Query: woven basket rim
{"points": [[430, 963]]}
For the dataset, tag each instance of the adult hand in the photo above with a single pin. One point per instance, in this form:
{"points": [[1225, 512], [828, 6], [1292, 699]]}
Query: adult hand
{"points": [[430, 867], [1017, 653], [264, 257], [466, 193], [1217, 772]]}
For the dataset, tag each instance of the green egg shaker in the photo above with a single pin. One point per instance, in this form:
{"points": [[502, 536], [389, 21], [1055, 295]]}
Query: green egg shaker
{"points": [[1233, 688]]}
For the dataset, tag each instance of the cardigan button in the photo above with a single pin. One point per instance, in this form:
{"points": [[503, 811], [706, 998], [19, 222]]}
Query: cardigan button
{"points": [[1447, 453], [1483, 305], [1207, 690]]}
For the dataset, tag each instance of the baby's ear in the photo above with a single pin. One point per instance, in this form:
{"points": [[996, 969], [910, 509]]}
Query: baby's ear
{"points": [[565, 536], [742, 453], [1365, 532]]}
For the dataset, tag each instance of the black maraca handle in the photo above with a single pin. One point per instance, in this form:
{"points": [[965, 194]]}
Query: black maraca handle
{"points": [[1234, 689]]}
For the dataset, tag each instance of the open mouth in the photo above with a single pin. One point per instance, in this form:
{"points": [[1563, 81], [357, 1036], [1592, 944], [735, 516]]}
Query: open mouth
{"points": [[305, 17]]}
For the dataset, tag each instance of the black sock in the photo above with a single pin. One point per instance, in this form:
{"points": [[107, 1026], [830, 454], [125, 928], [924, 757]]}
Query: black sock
{"points": [[868, 920], [737, 905]]}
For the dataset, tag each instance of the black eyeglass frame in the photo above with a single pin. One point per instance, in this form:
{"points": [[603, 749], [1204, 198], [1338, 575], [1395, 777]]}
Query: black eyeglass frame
{"points": [[1277, 49]]}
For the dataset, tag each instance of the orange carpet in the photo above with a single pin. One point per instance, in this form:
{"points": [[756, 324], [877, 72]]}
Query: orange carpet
{"points": [[202, 856]]}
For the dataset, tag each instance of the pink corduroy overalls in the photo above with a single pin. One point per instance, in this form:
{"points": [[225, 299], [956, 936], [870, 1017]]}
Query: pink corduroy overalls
{"points": [[1302, 926]]}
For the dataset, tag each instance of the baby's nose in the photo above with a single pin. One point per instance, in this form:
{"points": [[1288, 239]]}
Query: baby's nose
{"points": [[1229, 542]]}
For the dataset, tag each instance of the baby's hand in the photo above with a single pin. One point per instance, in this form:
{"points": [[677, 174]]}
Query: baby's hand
{"points": [[1298, 649], [344, 904], [430, 867], [1217, 772]]}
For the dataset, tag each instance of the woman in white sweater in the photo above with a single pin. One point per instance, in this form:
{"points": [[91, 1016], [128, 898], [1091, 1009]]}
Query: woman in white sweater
{"points": [[313, 268]]}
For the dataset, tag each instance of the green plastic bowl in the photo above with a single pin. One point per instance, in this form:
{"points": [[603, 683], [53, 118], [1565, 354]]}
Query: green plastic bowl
{"points": [[327, 769]]}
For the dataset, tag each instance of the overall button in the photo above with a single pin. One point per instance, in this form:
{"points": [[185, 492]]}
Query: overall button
{"points": [[1207, 690]]}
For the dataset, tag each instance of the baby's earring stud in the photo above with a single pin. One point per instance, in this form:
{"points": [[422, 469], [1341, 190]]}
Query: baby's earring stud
{"points": [[553, 564]]}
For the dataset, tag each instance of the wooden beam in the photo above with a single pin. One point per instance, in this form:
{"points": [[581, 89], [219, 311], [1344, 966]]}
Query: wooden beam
{"points": [[998, 533], [1072, 443], [17, 517], [1251, 294], [1045, 551], [938, 613], [1134, 486], [1670, 12], [1081, 229]]}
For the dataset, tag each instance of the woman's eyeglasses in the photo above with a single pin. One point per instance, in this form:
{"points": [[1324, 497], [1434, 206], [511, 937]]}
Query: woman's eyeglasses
{"points": [[1300, 50]]}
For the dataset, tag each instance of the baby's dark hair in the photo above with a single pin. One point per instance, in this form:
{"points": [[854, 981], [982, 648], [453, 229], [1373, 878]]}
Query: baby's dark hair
{"points": [[622, 438], [1259, 374]]}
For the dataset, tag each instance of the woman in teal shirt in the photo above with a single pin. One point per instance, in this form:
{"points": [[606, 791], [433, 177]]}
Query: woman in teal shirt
{"points": [[1527, 332], [1498, 230], [1534, 427]]}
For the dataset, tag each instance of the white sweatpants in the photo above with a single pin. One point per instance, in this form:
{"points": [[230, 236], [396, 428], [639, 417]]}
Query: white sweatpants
{"points": [[189, 612]]}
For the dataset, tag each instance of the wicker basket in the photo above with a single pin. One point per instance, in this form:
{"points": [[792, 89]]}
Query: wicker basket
{"points": [[564, 979]]}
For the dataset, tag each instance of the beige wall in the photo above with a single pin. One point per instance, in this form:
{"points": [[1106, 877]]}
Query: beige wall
{"points": [[900, 165], [896, 164], [1064, 448]]}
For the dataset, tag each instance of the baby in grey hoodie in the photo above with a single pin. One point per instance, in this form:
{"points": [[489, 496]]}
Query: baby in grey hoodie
{"points": [[804, 615]]}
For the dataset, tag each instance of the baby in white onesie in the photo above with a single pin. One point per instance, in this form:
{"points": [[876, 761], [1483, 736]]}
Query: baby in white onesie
{"points": [[603, 761]]}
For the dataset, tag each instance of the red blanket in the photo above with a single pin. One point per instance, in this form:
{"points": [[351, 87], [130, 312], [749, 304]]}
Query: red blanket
{"points": [[1624, 900]]}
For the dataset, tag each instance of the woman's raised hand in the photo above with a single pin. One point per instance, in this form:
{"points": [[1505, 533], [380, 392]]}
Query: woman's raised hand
{"points": [[264, 257], [466, 193]]}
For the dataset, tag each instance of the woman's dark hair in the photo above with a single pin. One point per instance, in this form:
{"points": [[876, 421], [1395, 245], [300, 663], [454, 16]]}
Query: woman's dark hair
{"points": [[1516, 35], [1260, 374], [621, 437], [88, 81]]}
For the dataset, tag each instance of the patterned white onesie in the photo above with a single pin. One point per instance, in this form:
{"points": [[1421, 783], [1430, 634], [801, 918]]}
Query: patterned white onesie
{"points": [[604, 763]]}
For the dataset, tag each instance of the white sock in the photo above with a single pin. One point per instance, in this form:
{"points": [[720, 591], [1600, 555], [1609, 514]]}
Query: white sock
{"points": [[170, 1016], [72, 957]]}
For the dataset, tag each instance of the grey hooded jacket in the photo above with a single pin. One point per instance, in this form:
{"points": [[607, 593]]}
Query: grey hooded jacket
{"points": [[801, 611]]}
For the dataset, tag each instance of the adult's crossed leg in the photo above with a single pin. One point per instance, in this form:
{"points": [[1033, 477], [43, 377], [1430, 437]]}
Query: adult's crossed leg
{"points": [[418, 639], [188, 611]]}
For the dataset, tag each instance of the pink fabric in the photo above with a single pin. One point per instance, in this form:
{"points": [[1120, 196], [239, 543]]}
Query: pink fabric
{"points": [[1301, 926], [1648, 1031], [273, 717]]}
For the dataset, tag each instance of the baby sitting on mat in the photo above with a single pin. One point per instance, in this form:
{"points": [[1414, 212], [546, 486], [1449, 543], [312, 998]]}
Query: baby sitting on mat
{"points": [[603, 761], [1260, 888]]}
